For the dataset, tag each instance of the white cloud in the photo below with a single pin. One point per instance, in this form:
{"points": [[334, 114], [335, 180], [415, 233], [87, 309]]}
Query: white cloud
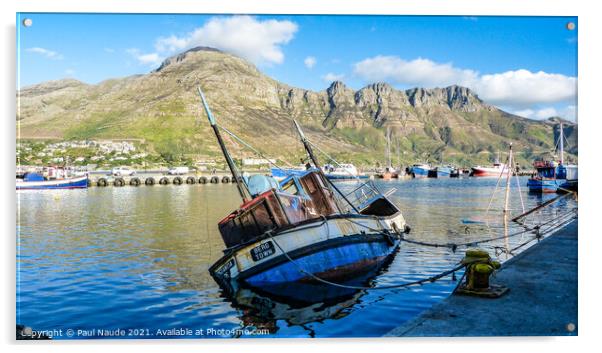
{"points": [[523, 87], [421, 72], [257, 41], [45, 52], [569, 113], [150, 59], [109, 50], [330, 77], [69, 72], [519, 89], [310, 62]]}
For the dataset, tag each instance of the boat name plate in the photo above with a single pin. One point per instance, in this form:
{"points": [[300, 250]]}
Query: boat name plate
{"points": [[262, 251]]}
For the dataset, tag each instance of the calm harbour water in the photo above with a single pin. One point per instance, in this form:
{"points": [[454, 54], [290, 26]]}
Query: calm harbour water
{"points": [[137, 259]]}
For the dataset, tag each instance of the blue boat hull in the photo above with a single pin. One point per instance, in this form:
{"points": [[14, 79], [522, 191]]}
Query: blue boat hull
{"points": [[346, 177], [545, 185], [75, 183], [419, 172], [340, 261]]}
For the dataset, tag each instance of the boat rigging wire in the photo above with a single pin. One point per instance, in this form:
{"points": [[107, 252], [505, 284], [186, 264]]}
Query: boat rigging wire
{"points": [[253, 148]]}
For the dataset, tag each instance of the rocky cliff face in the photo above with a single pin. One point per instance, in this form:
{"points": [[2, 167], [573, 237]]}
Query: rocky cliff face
{"points": [[162, 108]]}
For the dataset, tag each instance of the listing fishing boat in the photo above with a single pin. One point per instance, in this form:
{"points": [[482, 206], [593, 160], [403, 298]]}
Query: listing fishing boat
{"points": [[303, 228], [33, 180], [420, 170]]}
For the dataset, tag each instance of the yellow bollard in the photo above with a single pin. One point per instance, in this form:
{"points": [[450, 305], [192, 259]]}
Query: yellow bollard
{"points": [[479, 268]]}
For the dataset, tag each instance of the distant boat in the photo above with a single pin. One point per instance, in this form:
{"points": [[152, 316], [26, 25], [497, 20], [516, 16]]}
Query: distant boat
{"points": [[37, 181], [493, 171], [389, 171], [345, 171], [442, 172], [283, 173], [420, 170]]}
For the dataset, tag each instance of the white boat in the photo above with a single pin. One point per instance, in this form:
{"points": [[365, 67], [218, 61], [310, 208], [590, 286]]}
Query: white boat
{"points": [[496, 170], [343, 171]]}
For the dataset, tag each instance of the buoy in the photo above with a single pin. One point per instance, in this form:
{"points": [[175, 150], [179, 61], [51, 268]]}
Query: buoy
{"points": [[150, 181], [214, 180], [225, 179], [101, 182], [164, 181], [118, 182], [177, 181], [479, 267], [134, 181], [203, 180], [190, 180]]}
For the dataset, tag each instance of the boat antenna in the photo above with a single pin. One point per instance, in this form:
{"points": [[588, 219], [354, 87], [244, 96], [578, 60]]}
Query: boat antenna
{"points": [[314, 160], [243, 189]]}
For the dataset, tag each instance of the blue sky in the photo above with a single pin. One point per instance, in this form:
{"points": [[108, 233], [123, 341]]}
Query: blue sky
{"points": [[526, 65]]}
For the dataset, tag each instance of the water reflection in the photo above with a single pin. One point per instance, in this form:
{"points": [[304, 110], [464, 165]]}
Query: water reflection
{"points": [[138, 258]]}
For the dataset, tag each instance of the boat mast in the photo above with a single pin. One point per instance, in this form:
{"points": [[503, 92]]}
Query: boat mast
{"points": [[243, 189], [509, 166], [561, 144], [388, 151]]}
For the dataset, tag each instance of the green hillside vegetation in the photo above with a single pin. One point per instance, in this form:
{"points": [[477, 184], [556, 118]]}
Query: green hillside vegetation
{"points": [[161, 108]]}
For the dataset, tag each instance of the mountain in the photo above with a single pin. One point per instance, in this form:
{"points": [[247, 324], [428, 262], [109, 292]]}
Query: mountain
{"points": [[162, 110]]}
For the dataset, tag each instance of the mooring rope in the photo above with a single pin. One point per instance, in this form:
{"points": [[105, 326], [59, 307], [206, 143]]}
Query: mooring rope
{"points": [[430, 279]]}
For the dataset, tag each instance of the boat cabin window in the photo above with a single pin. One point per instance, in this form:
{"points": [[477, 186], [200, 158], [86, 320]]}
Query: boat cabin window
{"points": [[290, 187]]}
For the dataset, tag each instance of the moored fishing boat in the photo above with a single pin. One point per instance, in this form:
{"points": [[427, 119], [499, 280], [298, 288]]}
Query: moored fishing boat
{"points": [[549, 177], [420, 170], [345, 171], [283, 173], [31, 181], [552, 176], [300, 230], [494, 171], [442, 172]]}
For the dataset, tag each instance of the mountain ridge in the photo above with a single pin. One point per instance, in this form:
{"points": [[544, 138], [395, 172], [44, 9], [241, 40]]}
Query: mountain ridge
{"points": [[449, 123]]}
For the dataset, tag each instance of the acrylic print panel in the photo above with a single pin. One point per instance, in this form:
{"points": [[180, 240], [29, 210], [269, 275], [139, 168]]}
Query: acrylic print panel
{"points": [[348, 165]]}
